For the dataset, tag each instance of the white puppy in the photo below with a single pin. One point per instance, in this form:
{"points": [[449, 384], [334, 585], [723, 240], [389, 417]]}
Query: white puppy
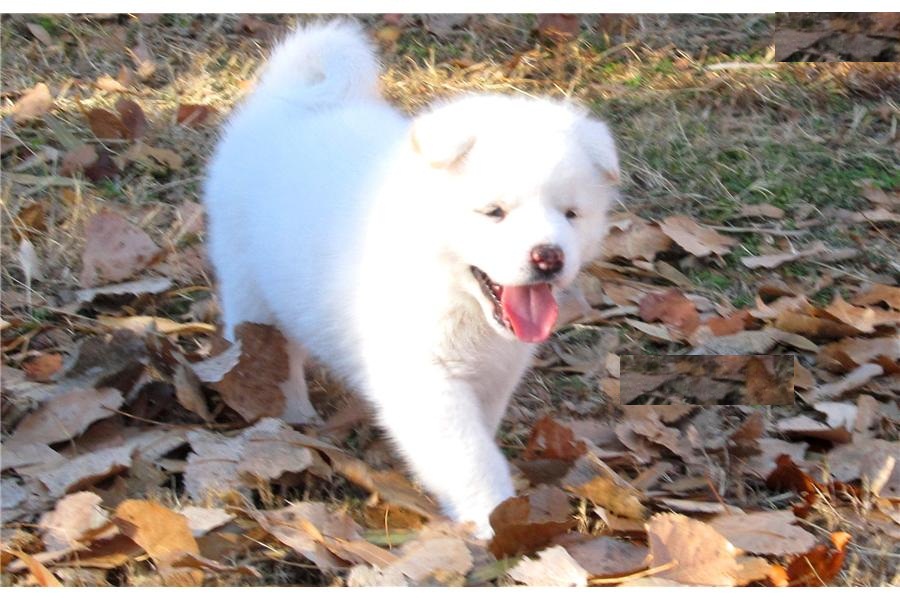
{"points": [[419, 259]]}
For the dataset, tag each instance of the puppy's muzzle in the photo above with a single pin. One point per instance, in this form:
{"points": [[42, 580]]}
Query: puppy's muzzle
{"points": [[547, 259]]}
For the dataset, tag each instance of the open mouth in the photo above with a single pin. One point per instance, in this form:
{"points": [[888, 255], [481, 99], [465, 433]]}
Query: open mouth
{"points": [[528, 311]]}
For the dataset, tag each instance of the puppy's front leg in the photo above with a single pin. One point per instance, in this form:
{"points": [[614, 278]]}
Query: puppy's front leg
{"points": [[438, 425]]}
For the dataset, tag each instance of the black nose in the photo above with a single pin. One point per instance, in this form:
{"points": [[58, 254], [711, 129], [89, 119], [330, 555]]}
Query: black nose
{"points": [[547, 258]]}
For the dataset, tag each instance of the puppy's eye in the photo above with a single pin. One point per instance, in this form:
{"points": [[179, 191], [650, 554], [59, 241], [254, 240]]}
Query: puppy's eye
{"points": [[494, 212], [571, 214]]}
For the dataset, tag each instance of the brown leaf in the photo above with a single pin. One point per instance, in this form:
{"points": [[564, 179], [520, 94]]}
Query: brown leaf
{"points": [[551, 440], [770, 261], [74, 517], [41, 574], [851, 353], [697, 239], [772, 449], [855, 379], [552, 567], [701, 555], [672, 308], [879, 294], [194, 115], [189, 394], [558, 27], [143, 60], [734, 323], [114, 249], [134, 122], [813, 327], [594, 480], [790, 41], [79, 158], [34, 103], [422, 559], [821, 565], [608, 556], [86, 469], [804, 426], [863, 319], [527, 523], [67, 415], [639, 240], [43, 366], [308, 528], [161, 532], [875, 462], [202, 520], [106, 125], [108, 84], [765, 532], [762, 210], [252, 387], [102, 168], [40, 34], [765, 387], [148, 285]]}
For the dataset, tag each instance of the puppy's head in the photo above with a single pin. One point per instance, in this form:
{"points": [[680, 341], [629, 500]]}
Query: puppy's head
{"points": [[522, 189]]}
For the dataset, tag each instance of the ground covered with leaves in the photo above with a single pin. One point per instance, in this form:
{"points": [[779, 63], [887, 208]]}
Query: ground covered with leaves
{"points": [[759, 215]]}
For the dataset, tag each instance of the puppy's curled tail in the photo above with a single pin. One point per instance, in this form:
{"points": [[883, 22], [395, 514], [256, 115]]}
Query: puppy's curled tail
{"points": [[321, 65]]}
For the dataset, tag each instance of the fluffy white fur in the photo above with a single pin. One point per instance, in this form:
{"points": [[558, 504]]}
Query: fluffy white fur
{"points": [[353, 228]]}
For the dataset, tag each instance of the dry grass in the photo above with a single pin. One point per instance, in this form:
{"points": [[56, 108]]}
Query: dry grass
{"points": [[698, 135]]}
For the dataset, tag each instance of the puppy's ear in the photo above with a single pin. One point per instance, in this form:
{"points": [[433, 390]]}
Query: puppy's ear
{"points": [[598, 142], [441, 142]]}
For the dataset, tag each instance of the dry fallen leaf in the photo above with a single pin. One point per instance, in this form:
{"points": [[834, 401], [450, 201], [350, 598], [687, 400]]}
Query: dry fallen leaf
{"points": [[790, 41], [878, 294], [161, 532], [202, 520], [672, 308], [194, 115], [34, 103], [697, 239], [770, 261], [762, 210], [855, 379], [863, 319], [607, 556], [134, 122], [67, 415], [558, 27], [819, 566], [552, 567], [108, 84], [526, 523], [114, 249], [697, 553], [74, 517], [765, 532], [148, 285], [106, 125], [639, 239]]}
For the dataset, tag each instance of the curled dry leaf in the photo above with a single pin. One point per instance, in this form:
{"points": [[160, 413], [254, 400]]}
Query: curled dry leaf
{"points": [[106, 125], [82, 471], [790, 41], [43, 367], [855, 379], [594, 480], [770, 261], [435, 557], [552, 567], [813, 327], [149, 285], [697, 239], [697, 553], [114, 249], [850, 353], [67, 415], [820, 565], [804, 426], [162, 533], [526, 523], [765, 532], [872, 461], [194, 115], [607, 556], [638, 239], [73, 519], [34, 103], [108, 84], [134, 122], [551, 440], [672, 308], [78, 159], [863, 319], [202, 520], [879, 294]]}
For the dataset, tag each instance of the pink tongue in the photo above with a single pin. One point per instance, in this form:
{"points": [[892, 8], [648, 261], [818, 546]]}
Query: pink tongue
{"points": [[531, 309]]}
